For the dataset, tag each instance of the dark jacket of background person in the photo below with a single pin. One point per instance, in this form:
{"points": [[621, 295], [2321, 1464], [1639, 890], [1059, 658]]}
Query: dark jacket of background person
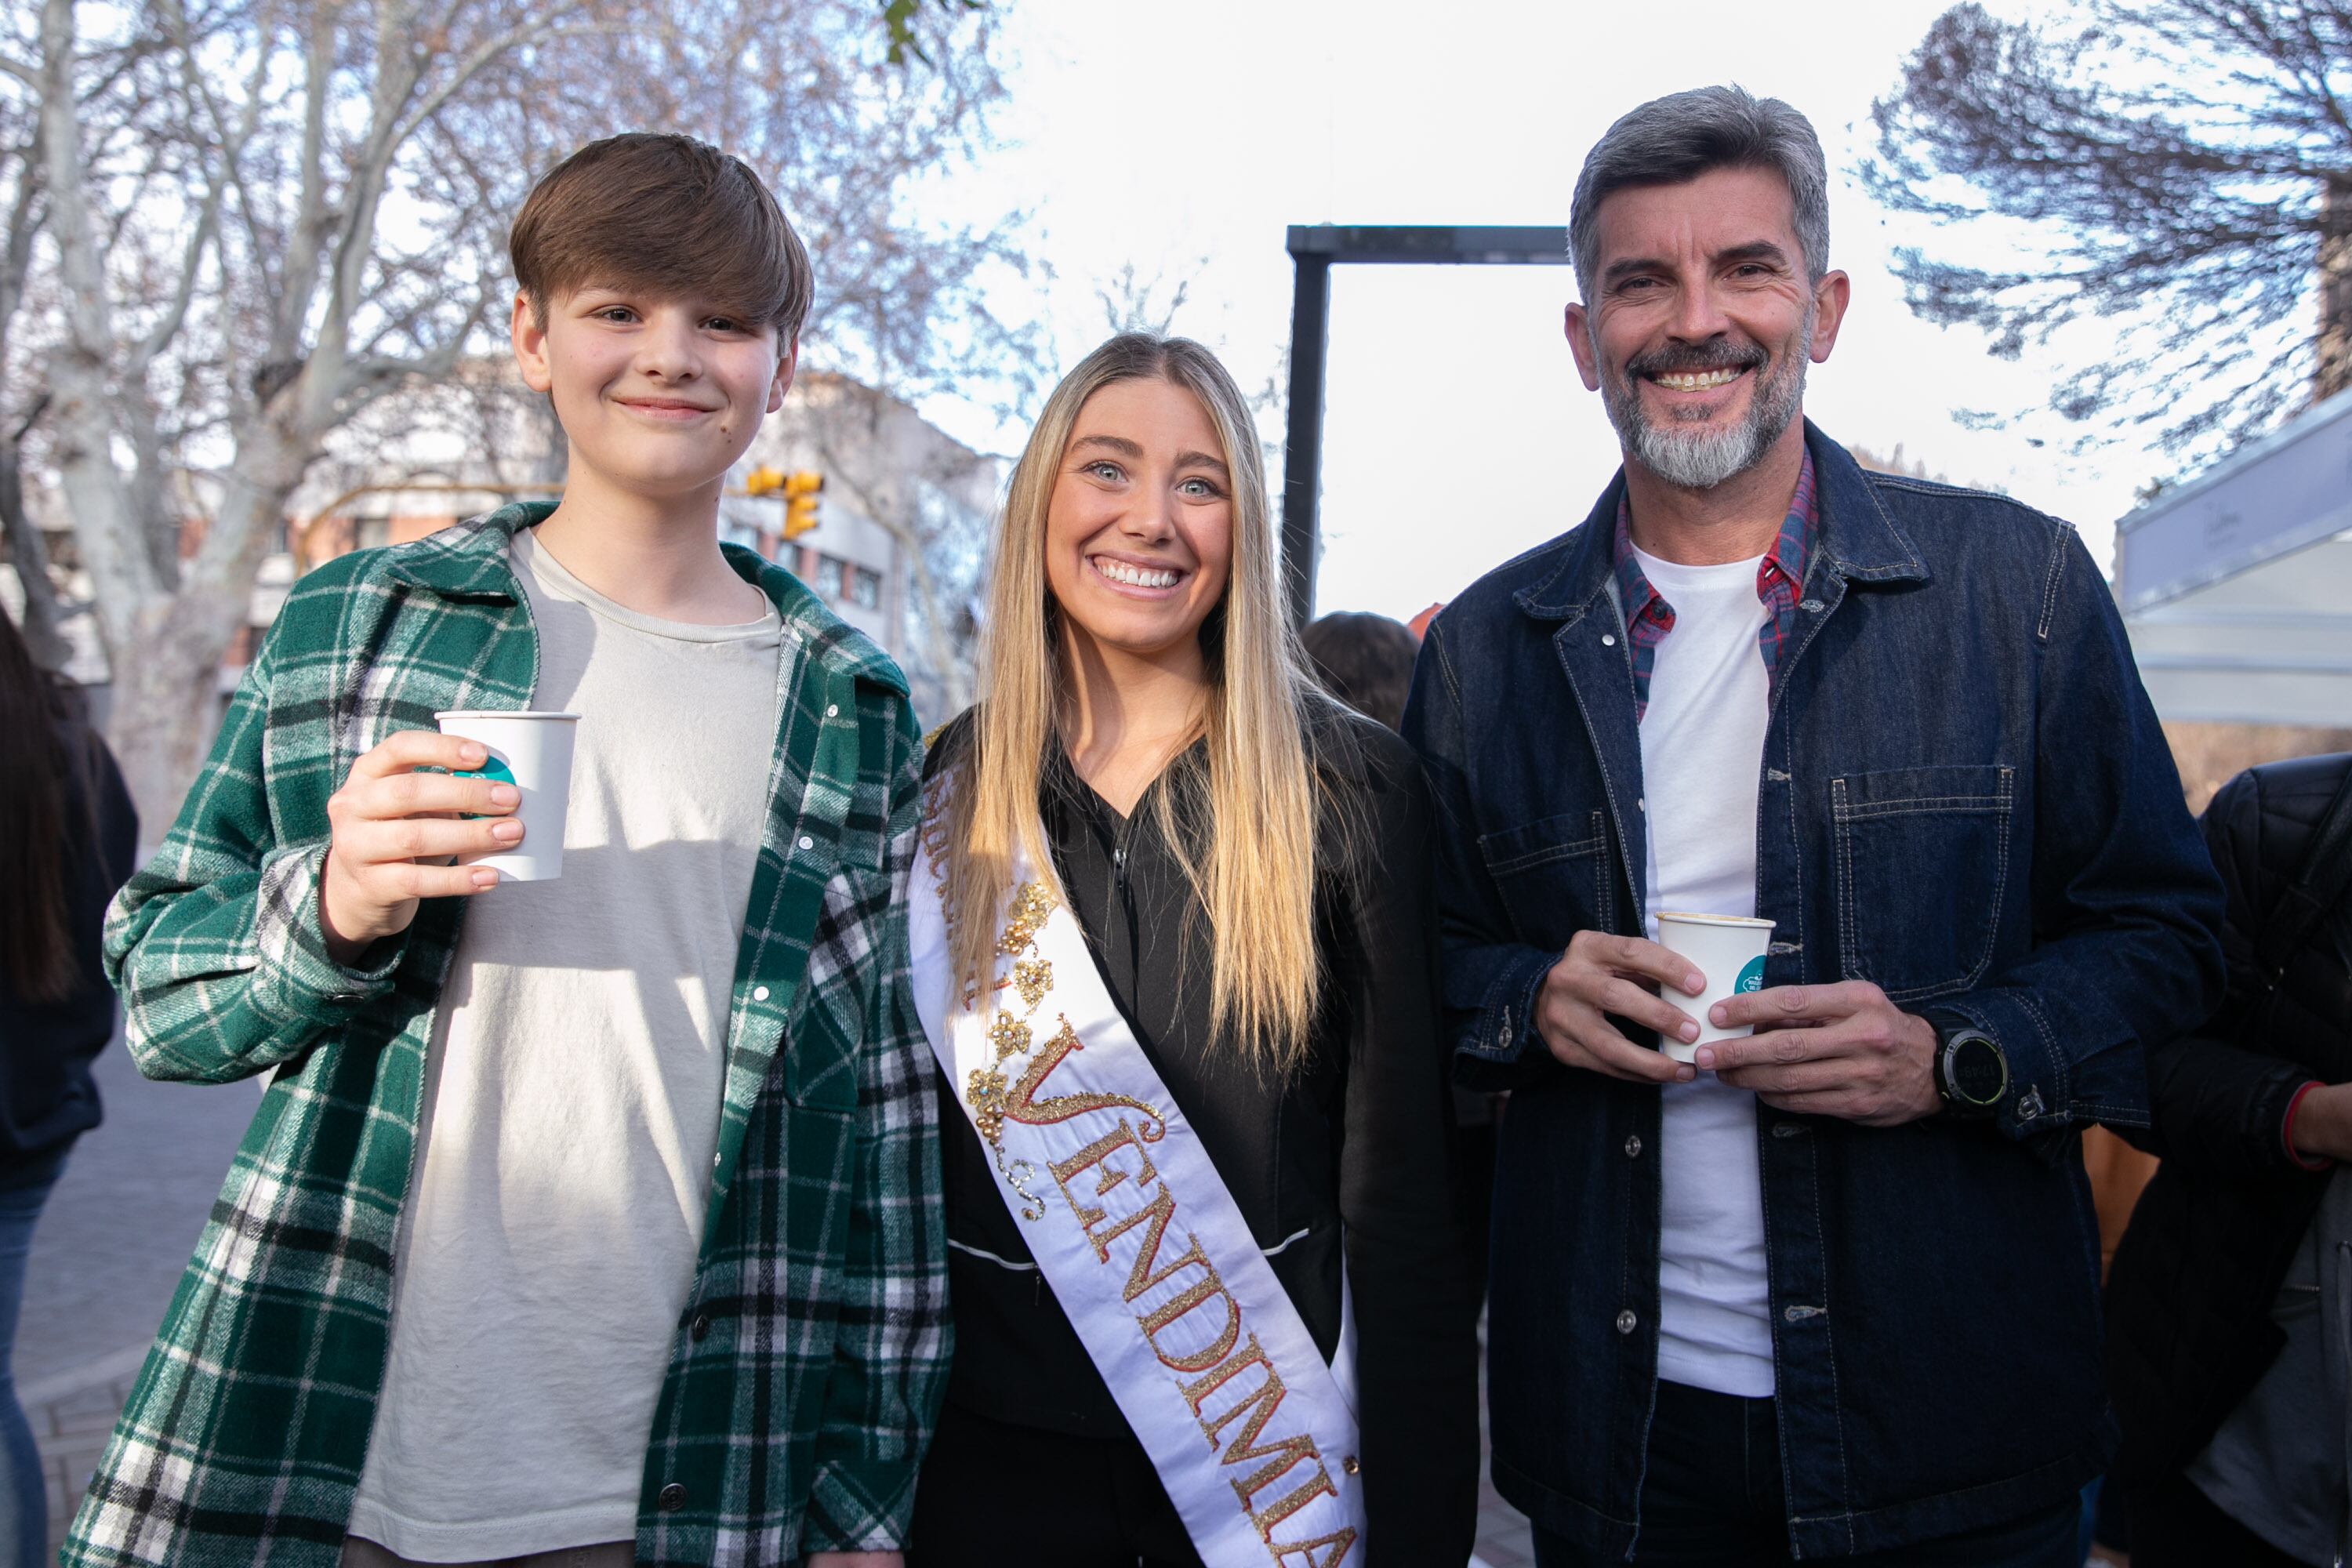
{"points": [[1366, 662], [1357, 1133], [1966, 799], [46, 1098], [2188, 1302]]}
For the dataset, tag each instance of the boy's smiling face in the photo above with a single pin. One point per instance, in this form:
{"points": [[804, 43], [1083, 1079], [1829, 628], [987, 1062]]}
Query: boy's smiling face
{"points": [[658, 396]]}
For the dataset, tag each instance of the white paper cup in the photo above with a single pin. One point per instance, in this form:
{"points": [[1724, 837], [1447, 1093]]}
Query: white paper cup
{"points": [[1729, 952], [533, 752]]}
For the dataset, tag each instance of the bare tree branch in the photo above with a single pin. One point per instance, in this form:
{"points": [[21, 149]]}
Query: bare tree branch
{"points": [[2163, 169]]}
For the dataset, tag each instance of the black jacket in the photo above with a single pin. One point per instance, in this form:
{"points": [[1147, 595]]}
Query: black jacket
{"points": [[2188, 1299], [1352, 1152], [46, 1098]]}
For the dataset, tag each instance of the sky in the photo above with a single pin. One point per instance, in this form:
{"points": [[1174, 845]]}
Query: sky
{"points": [[1182, 140]]}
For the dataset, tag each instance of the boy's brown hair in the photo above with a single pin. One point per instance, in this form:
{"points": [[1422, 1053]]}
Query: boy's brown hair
{"points": [[667, 214]]}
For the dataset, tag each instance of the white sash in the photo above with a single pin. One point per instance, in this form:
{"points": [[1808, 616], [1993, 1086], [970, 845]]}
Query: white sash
{"points": [[1146, 1250]]}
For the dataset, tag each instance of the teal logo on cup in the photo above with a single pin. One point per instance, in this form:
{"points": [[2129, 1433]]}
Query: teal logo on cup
{"points": [[1752, 977], [497, 772]]}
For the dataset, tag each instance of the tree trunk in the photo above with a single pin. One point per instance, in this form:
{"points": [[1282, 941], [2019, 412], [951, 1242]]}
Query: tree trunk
{"points": [[2331, 373], [167, 699], [43, 634]]}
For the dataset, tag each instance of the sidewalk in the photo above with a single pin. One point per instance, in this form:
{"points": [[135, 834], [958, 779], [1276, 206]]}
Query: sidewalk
{"points": [[70, 1423]]}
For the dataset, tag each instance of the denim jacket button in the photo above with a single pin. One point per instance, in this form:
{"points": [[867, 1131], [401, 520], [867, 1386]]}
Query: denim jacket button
{"points": [[1634, 1147], [1608, 639], [1625, 1322]]}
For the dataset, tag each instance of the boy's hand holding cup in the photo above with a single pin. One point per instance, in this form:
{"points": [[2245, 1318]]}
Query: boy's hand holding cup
{"points": [[427, 815], [395, 829]]}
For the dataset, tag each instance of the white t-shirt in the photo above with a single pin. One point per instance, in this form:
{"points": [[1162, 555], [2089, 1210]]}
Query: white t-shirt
{"points": [[572, 1101], [1702, 752]]}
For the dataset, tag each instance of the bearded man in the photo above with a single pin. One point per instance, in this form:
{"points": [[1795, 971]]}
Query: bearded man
{"points": [[1829, 1291]]}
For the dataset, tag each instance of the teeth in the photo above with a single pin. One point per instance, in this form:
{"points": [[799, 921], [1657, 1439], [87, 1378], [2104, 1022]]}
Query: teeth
{"points": [[1697, 380], [1134, 576]]}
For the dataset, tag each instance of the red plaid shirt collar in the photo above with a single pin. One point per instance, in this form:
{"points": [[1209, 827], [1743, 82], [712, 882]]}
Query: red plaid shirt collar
{"points": [[1780, 584]]}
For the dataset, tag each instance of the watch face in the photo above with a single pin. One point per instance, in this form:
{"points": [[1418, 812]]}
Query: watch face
{"points": [[1978, 1073]]}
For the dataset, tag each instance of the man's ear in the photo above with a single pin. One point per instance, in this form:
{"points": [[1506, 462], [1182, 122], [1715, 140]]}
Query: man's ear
{"points": [[1578, 325], [786, 362], [1831, 294], [528, 335]]}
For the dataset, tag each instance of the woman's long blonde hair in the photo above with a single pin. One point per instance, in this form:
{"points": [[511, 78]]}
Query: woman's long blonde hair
{"points": [[1244, 828]]}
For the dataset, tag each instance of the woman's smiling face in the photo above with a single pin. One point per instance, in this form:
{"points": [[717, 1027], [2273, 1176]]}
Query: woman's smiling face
{"points": [[1140, 528]]}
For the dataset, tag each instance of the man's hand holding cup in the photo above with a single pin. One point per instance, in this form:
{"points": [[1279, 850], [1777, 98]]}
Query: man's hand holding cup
{"points": [[1842, 1050], [393, 829], [1601, 975]]}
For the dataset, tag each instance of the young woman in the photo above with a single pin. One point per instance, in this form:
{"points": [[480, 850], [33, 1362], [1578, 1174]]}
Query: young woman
{"points": [[1171, 944], [67, 836]]}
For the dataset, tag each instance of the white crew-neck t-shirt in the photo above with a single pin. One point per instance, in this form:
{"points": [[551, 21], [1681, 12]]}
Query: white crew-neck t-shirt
{"points": [[1702, 752], [572, 1099]]}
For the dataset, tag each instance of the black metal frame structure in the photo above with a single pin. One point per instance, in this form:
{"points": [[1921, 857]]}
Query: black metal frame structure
{"points": [[1314, 250]]}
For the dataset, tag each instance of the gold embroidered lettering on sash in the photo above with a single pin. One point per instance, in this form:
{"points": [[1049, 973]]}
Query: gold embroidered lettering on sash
{"points": [[1026, 1108], [1255, 1411]]}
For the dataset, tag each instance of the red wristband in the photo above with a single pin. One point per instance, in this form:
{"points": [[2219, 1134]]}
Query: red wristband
{"points": [[2286, 1132]]}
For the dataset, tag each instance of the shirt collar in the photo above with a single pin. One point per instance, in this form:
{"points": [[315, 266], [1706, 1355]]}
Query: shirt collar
{"points": [[1792, 551]]}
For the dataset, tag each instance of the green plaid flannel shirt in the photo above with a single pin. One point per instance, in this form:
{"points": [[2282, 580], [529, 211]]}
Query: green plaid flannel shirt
{"points": [[807, 1369]]}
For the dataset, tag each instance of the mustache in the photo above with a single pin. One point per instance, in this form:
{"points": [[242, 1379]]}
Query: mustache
{"points": [[1684, 359]]}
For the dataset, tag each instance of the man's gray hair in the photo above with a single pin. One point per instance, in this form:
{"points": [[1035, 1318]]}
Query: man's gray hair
{"points": [[1678, 137]]}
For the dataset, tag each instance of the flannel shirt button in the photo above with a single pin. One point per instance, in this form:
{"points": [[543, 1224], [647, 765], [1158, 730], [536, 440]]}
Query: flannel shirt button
{"points": [[833, 710], [807, 843], [700, 1327], [672, 1497], [759, 993]]}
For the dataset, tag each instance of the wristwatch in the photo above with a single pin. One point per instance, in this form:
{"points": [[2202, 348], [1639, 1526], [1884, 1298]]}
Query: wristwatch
{"points": [[1971, 1072]]}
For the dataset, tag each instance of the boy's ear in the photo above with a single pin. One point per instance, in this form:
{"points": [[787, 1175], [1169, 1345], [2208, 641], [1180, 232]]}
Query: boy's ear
{"points": [[786, 362], [529, 339]]}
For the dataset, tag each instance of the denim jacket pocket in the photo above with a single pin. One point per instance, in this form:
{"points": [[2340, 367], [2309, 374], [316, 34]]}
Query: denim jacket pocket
{"points": [[1553, 875], [1922, 869]]}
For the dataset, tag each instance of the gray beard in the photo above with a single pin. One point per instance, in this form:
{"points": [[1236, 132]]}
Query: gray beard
{"points": [[1702, 459]]}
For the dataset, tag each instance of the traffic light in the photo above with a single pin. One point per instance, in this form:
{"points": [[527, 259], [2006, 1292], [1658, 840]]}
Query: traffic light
{"points": [[801, 487], [763, 481]]}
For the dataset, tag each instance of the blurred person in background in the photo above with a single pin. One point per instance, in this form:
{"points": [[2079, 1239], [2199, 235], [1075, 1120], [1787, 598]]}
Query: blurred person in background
{"points": [[67, 840], [2230, 1306], [1366, 662]]}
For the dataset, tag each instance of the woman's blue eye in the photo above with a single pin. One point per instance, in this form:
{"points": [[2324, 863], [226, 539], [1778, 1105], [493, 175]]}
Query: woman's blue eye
{"points": [[1103, 468]]}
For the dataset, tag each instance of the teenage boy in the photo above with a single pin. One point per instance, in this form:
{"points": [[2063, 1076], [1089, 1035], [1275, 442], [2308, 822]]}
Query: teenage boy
{"points": [[596, 1218]]}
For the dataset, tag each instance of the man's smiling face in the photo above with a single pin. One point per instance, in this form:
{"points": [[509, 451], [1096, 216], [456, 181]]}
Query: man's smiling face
{"points": [[1702, 321]]}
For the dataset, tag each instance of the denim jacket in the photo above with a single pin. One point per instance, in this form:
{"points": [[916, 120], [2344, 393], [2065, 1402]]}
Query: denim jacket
{"points": [[1966, 799]]}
